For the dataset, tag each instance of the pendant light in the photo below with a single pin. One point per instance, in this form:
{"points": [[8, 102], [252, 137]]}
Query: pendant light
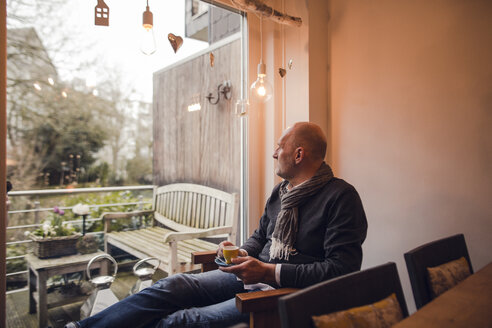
{"points": [[147, 45], [261, 89]]}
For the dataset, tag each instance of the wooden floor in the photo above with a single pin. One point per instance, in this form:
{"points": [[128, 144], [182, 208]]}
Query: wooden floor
{"points": [[18, 305]]}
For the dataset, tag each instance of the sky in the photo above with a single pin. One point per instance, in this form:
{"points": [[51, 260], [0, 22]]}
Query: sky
{"points": [[116, 48]]}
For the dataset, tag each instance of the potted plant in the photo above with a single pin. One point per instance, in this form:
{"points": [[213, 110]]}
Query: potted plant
{"points": [[55, 237]]}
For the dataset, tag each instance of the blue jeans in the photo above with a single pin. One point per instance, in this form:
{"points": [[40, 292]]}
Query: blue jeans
{"points": [[182, 300]]}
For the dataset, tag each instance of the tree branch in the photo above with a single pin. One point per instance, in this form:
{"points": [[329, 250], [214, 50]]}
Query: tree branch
{"points": [[259, 7]]}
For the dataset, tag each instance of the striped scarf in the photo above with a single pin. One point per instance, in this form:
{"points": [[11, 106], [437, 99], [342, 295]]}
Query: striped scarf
{"points": [[284, 234]]}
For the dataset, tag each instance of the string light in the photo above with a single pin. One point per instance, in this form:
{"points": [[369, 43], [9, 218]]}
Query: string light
{"points": [[261, 89], [147, 45]]}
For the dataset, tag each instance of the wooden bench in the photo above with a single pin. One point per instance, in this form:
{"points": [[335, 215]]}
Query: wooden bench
{"points": [[182, 214]]}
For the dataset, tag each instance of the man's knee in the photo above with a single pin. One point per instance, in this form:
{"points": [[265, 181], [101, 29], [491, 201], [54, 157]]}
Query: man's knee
{"points": [[178, 286]]}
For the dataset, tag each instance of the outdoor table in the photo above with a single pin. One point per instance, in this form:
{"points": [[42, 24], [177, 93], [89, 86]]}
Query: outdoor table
{"points": [[39, 272], [468, 304]]}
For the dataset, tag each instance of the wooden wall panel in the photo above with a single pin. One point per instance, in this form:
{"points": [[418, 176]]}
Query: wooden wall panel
{"points": [[200, 147]]}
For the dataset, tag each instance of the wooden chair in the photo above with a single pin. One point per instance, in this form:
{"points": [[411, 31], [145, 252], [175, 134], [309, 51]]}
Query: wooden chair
{"points": [[183, 214], [430, 255], [348, 291], [261, 305]]}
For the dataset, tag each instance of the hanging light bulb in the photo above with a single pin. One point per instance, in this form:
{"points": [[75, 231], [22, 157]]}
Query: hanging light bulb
{"points": [[261, 89], [147, 45]]}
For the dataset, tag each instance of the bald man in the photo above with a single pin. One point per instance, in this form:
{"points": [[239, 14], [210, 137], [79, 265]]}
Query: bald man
{"points": [[312, 229]]}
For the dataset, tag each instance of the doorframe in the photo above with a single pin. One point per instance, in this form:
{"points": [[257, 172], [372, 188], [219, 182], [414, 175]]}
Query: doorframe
{"points": [[3, 165]]}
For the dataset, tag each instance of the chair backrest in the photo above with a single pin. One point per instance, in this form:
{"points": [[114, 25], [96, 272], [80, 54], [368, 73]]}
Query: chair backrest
{"points": [[430, 255], [342, 293], [195, 206]]}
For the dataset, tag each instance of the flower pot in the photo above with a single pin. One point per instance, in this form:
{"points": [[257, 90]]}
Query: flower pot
{"points": [[54, 246]]}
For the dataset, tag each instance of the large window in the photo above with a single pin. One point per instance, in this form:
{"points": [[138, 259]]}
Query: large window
{"points": [[91, 106]]}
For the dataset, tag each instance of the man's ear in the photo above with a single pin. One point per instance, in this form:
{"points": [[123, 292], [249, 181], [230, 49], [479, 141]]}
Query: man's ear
{"points": [[300, 153]]}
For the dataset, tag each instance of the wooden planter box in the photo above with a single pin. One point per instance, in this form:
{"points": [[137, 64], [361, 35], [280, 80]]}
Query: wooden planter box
{"points": [[54, 246]]}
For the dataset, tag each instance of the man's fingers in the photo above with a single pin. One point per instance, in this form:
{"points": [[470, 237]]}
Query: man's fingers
{"points": [[230, 269], [241, 259], [221, 247], [240, 264], [242, 252]]}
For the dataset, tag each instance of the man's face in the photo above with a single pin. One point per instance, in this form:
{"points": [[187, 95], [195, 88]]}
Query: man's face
{"points": [[285, 156]]}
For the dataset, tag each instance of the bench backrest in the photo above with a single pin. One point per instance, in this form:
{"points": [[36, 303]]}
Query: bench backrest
{"points": [[195, 206]]}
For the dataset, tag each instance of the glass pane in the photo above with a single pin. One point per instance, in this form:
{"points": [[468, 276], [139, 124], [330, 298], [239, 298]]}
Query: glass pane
{"points": [[116, 105]]}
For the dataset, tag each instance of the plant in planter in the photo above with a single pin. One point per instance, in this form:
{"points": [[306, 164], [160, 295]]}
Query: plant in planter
{"points": [[54, 226], [55, 237]]}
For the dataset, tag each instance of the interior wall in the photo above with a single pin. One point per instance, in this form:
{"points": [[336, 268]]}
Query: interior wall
{"points": [[293, 100], [319, 68], [411, 104]]}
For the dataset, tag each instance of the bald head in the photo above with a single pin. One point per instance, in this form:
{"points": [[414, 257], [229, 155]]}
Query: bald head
{"points": [[311, 138], [301, 150]]}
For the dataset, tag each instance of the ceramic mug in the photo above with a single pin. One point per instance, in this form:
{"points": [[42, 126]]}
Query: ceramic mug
{"points": [[230, 252]]}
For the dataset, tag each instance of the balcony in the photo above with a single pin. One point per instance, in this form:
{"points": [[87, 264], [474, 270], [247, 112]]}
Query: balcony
{"points": [[17, 304], [36, 204]]}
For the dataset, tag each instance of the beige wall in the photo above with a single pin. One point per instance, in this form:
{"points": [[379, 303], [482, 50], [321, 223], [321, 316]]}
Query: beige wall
{"points": [[411, 106], [301, 95], [404, 91]]}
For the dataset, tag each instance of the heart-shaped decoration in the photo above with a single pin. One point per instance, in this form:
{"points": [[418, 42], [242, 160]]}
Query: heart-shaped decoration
{"points": [[212, 60], [176, 41], [282, 72]]}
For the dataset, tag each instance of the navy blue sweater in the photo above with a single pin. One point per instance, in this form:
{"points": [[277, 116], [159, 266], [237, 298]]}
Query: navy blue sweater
{"points": [[332, 228]]}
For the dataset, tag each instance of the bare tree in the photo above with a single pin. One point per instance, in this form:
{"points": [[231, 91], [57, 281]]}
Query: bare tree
{"points": [[41, 106]]}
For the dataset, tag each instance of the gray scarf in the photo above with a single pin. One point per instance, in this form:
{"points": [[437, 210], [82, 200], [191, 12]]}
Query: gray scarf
{"points": [[284, 234]]}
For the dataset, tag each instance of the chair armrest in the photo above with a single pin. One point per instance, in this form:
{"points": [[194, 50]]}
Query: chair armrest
{"points": [[106, 216], [203, 257], [261, 301], [177, 236], [206, 259]]}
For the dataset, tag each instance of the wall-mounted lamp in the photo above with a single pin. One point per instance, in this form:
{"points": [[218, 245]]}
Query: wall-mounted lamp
{"points": [[224, 88], [195, 103]]}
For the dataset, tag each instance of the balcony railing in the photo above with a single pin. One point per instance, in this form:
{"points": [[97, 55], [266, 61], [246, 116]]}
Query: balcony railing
{"points": [[53, 192]]}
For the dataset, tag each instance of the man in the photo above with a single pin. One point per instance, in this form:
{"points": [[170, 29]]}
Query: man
{"points": [[311, 230]]}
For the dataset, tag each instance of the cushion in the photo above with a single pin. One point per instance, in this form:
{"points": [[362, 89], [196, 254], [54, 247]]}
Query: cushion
{"points": [[444, 276], [384, 313]]}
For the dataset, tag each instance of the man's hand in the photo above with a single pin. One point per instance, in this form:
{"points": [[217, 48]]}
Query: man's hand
{"points": [[220, 250], [251, 270]]}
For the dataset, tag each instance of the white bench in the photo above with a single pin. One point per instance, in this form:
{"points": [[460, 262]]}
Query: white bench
{"points": [[182, 213]]}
